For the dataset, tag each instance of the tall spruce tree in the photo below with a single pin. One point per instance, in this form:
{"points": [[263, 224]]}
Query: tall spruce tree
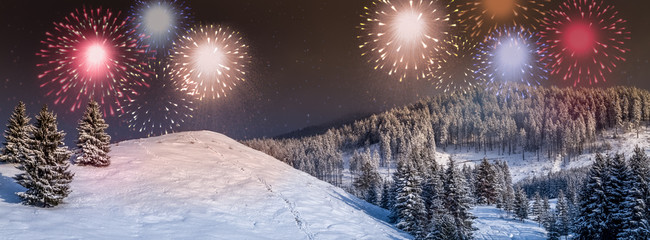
{"points": [[538, 209], [442, 227], [521, 204], [632, 211], [433, 192], [563, 217], [16, 145], [486, 183], [409, 210], [593, 209], [546, 210], [368, 183], [552, 228], [46, 175], [386, 196], [457, 201], [507, 192], [93, 141], [615, 192], [640, 167]]}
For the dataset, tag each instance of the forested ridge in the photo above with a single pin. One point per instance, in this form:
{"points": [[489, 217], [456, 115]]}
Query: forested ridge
{"points": [[551, 121]]}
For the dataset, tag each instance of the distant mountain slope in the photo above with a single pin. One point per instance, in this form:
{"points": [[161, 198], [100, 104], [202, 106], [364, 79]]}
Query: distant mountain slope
{"points": [[193, 185]]}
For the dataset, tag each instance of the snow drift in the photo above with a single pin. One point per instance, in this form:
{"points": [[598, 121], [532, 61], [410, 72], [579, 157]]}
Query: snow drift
{"points": [[193, 185]]}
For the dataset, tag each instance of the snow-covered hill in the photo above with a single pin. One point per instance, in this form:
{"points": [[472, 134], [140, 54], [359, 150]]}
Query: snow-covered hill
{"points": [[193, 185]]}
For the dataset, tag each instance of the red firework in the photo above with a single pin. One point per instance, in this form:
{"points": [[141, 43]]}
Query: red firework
{"points": [[92, 53], [584, 40]]}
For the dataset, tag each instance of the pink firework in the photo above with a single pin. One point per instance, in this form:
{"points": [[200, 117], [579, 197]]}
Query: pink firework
{"points": [[584, 40], [92, 53], [210, 59]]}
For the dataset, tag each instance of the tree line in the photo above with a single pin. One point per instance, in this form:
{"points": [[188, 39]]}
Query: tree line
{"points": [[544, 121]]}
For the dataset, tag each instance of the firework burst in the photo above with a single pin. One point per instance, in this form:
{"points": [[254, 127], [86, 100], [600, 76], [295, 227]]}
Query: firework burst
{"points": [[211, 60], [456, 66], [159, 105], [163, 21], [585, 40], [401, 36], [511, 56], [481, 17], [91, 54]]}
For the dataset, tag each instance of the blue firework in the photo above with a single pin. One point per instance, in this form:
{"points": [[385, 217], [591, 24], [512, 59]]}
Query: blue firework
{"points": [[511, 57], [162, 21]]}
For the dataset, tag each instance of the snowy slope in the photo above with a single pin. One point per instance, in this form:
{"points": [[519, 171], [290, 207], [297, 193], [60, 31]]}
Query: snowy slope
{"points": [[193, 185]]}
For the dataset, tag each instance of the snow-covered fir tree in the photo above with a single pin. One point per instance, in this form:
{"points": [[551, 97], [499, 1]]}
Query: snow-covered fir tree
{"points": [[507, 192], [552, 228], [615, 192], [640, 167], [46, 175], [433, 192], [443, 227], [457, 201], [409, 210], [521, 204], [368, 182], [546, 210], [93, 141], [593, 210], [387, 195], [633, 209], [538, 209], [486, 183], [563, 217], [16, 146]]}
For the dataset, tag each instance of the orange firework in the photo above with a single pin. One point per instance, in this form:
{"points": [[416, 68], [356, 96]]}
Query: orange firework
{"points": [[481, 17]]}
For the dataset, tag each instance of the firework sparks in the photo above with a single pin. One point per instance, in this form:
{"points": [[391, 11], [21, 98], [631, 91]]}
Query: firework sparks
{"points": [[210, 59], [585, 40], [159, 105], [91, 54], [401, 37], [481, 17], [456, 66], [163, 21], [511, 56]]}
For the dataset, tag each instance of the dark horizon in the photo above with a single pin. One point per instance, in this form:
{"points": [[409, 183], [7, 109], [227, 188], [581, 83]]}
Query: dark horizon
{"points": [[307, 69]]}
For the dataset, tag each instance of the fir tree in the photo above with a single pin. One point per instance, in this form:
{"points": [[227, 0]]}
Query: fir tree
{"points": [[521, 204], [433, 191], [546, 210], [593, 211], [457, 201], [632, 211], [442, 227], [409, 210], [640, 167], [46, 175], [537, 209], [553, 228], [17, 136], [386, 196], [563, 217], [508, 193], [93, 142], [615, 192], [368, 182], [486, 192]]}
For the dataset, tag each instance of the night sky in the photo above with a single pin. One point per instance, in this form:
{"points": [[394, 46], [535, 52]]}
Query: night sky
{"points": [[306, 66]]}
